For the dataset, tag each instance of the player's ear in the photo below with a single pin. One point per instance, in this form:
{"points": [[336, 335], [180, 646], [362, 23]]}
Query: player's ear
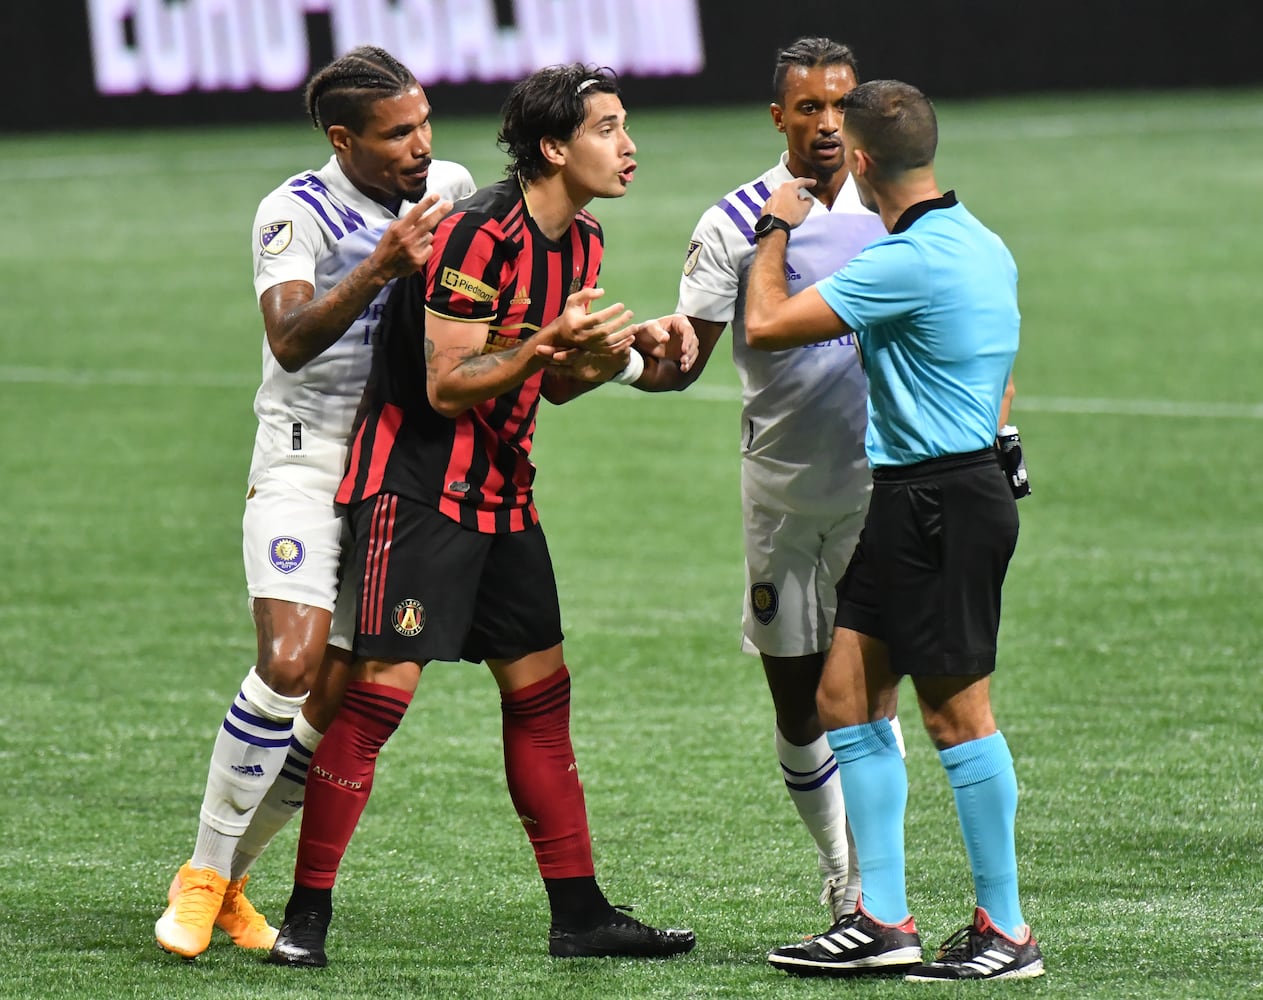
{"points": [[340, 137], [778, 116], [553, 150]]}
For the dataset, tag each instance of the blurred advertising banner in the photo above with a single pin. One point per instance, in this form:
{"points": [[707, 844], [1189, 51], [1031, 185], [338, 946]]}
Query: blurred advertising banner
{"points": [[180, 46], [89, 64]]}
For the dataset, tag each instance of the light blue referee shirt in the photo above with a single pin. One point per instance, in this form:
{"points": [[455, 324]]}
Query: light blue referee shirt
{"points": [[934, 308]]}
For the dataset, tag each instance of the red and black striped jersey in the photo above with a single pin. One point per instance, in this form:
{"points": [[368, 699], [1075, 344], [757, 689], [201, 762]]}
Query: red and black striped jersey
{"points": [[491, 264]]}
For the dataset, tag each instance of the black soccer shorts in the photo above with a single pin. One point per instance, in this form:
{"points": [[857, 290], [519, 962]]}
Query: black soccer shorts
{"points": [[430, 589], [927, 570]]}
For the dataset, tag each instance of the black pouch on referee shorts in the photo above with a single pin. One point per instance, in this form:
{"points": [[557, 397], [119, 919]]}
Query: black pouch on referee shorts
{"points": [[1009, 448]]}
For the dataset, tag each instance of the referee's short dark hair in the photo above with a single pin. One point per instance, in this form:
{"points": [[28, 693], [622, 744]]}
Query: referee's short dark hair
{"points": [[551, 103], [894, 123]]}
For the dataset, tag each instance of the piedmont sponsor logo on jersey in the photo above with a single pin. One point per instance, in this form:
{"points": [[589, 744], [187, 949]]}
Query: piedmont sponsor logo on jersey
{"points": [[287, 553], [408, 617], [764, 602], [275, 237], [691, 258], [471, 288]]}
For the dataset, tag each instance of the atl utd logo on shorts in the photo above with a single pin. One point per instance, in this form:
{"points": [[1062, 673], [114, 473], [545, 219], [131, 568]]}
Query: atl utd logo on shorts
{"points": [[287, 553], [408, 617], [764, 602]]}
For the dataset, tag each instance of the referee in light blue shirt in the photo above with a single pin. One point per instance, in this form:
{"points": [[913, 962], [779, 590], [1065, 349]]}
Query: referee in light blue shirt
{"points": [[933, 306]]}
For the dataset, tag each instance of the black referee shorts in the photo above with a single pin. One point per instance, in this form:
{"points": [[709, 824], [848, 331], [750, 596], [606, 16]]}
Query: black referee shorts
{"points": [[927, 570], [430, 589]]}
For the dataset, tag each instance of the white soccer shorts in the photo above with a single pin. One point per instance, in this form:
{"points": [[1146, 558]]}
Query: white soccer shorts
{"points": [[793, 564], [292, 544]]}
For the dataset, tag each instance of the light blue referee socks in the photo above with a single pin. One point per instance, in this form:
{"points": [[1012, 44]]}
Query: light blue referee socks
{"points": [[985, 787], [875, 786]]}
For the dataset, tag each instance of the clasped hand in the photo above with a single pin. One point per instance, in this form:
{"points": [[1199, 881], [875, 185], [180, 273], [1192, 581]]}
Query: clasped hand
{"points": [[595, 346]]}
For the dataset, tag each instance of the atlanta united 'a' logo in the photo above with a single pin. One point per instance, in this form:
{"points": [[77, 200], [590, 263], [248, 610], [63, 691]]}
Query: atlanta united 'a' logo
{"points": [[408, 617], [764, 602]]}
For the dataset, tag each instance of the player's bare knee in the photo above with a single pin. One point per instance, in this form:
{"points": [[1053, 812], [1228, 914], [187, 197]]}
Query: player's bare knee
{"points": [[948, 730], [290, 673], [829, 709], [798, 728]]}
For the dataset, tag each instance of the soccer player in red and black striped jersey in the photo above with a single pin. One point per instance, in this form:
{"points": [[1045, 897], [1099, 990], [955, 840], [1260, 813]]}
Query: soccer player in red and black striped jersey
{"points": [[452, 561]]}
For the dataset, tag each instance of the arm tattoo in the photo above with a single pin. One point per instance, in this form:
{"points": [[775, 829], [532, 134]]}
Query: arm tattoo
{"points": [[477, 363]]}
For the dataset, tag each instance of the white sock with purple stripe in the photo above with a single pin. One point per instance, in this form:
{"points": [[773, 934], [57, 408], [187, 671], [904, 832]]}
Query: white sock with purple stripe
{"points": [[250, 750], [283, 799], [811, 778]]}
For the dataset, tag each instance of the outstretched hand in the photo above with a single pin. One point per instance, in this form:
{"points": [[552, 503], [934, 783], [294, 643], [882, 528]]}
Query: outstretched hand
{"points": [[603, 332]]}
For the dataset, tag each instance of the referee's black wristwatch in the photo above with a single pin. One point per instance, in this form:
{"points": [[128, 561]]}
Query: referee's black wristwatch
{"points": [[767, 223]]}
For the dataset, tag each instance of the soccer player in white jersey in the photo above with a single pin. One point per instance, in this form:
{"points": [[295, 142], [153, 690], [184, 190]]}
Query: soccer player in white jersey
{"points": [[804, 492], [327, 246]]}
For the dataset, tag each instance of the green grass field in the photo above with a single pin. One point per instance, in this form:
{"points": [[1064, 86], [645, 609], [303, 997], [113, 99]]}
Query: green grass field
{"points": [[1129, 688]]}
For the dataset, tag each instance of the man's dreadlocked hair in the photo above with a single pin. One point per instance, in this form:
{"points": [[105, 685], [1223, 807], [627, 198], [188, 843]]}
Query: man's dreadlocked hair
{"points": [[340, 94]]}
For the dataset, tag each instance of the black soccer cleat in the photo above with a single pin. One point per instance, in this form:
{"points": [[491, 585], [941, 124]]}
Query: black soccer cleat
{"points": [[620, 936], [981, 951], [301, 940], [856, 945]]}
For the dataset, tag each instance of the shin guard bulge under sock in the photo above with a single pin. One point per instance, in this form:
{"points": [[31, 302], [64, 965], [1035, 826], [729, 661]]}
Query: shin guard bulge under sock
{"points": [[543, 777]]}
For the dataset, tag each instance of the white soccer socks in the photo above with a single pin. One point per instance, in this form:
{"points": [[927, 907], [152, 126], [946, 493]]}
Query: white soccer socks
{"points": [[250, 750], [282, 800]]}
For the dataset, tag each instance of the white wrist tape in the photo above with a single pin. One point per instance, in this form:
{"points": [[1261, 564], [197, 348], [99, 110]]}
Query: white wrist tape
{"points": [[635, 368]]}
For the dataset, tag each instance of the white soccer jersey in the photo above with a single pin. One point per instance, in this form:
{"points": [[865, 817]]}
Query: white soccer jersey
{"points": [[317, 227], [803, 410]]}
